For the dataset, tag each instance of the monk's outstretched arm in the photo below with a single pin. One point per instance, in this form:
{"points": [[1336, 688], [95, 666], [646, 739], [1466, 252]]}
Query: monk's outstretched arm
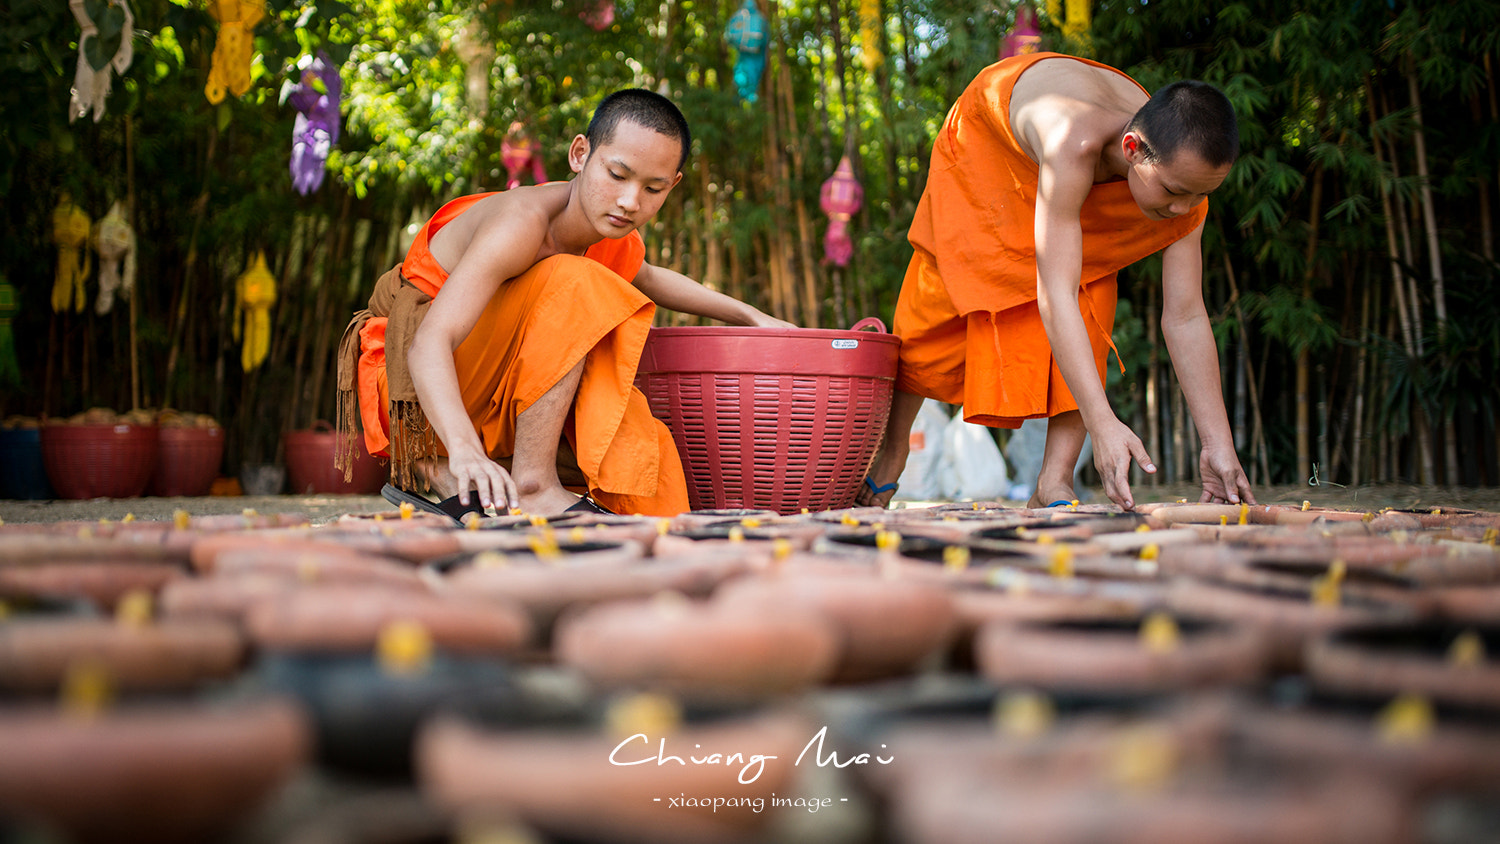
{"points": [[500, 249], [674, 291], [1065, 178], [1195, 356]]}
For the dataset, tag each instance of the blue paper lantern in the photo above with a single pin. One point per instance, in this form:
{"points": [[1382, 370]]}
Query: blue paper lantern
{"points": [[747, 33]]}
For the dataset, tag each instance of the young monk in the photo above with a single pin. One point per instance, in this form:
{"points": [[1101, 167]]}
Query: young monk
{"points": [[1050, 174], [514, 327]]}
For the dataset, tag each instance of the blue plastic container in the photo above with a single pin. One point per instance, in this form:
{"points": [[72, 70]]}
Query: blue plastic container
{"points": [[22, 473]]}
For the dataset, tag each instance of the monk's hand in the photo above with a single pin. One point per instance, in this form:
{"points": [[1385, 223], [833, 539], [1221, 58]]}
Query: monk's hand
{"points": [[1224, 480], [477, 474], [1114, 447], [765, 320]]}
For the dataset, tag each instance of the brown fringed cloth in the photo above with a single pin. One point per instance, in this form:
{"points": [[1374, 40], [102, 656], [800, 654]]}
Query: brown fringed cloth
{"points": [[401, 306]]}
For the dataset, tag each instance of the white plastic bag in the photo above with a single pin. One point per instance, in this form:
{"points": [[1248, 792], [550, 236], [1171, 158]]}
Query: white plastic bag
{"points": [[972, 467], [919, 480]]}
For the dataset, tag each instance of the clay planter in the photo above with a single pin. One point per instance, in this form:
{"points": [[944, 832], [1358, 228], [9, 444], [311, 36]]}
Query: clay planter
{"points": [[162, 774], [1384, 663], [222, 598], [1110, 657], [101, 583], [289, 544], [1468, 605], [548, 590], [36, 654], [701, 651], [565, 785], [367, 717], [888, 627], [187, 460], [99, 461], [350, 618], [1288, 617], [310, 469], [1035, 598], [763, 539]]}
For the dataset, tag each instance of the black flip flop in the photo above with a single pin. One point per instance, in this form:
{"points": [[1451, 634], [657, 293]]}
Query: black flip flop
{"points": [[450, 507], [588, 505]]}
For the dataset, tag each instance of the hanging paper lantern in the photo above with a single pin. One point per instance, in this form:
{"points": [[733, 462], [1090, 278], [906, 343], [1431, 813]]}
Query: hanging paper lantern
{"points": [[234, 48], [103, 46], [601, 16], [1075, 24], [256, 293], [1024, 37], [840, 198], [10, 305], [517, 151], [747, 33], [316, 129], [114, 240], [70, 231], [869, 34]]}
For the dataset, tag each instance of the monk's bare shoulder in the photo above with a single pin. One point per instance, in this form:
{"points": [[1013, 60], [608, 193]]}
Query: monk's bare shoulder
{"points": [[1066, 112], [522, 214]]}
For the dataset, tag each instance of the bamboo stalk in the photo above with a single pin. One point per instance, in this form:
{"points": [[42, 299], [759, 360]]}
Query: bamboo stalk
{"points": [[1314, 217], [184, 290], [135, 359], [1257, 437], [1397, 270], [1359, 387]]}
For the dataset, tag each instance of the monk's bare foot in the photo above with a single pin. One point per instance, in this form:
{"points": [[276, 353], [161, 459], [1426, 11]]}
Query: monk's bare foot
{"points": [[1046, 497], [549, 500], [439, 479], [885, 470]]}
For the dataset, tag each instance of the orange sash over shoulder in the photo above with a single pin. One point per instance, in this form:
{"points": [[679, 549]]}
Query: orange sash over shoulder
{"points": [[535, 329], [967, 314]]}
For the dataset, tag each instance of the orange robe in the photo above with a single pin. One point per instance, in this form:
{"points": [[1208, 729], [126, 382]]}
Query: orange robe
{"points": [[533, 331], [967, 315]]}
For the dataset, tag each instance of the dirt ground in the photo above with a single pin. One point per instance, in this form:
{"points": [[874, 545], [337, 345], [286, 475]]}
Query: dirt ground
{"points": [[325, 508]]}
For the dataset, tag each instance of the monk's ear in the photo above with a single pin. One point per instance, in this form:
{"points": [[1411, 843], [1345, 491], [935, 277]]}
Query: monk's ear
{"points": [[1134, 147], [675, 180], [578, 153]]}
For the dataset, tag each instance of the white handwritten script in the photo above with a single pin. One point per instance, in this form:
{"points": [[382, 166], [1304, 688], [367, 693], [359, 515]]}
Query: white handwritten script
{"points": [[752, 765]]}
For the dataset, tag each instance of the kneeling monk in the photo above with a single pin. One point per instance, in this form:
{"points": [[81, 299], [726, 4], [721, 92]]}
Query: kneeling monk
{"points": [[514, 328], [1049, 175]]}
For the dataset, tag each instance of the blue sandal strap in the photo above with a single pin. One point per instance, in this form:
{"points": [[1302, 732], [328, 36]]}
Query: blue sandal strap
{"points": [[877, 490]]}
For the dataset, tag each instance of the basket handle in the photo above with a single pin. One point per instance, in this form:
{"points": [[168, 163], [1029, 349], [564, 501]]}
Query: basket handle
{"points": [[869, 322]]}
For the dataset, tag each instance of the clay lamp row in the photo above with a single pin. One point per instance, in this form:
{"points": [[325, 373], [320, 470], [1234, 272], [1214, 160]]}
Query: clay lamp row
{"points": [[180, 529], [562, 577], [1141, 785], [1441, 662], [650, 773], [133, 652], [368, 703], [1158, 653], [1417, 743], [162, 772], [1289, 616]]}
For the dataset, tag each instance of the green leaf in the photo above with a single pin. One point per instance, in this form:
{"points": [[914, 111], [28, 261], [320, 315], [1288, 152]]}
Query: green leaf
{"points": [[222, 115], [99, 51]]}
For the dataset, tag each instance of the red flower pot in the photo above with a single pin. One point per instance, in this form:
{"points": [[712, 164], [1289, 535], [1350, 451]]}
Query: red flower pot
{"points": [[310, 469], [99, 461]]}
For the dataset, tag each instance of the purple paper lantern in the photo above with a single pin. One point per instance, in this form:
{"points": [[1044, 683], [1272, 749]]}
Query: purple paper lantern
{"points": [[316, 130]]}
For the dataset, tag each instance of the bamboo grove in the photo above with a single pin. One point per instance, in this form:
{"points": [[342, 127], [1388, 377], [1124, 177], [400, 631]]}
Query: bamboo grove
{"points": [[1349, 259]]}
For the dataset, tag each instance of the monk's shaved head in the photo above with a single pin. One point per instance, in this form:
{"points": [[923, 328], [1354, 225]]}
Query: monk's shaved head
{"points": [[646, 108], [1188, 115]]}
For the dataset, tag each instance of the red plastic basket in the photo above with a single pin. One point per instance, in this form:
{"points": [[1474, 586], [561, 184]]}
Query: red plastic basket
{"points": [[310, 469], [187, 461], [771, 418], [99, 461]]}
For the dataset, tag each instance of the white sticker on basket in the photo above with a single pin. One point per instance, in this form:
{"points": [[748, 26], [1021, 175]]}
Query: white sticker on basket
{"points": [[846, 344]]}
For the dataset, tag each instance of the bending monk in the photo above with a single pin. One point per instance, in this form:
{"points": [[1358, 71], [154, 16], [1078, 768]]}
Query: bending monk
{"points": [[513, 330], [1049, 175]]}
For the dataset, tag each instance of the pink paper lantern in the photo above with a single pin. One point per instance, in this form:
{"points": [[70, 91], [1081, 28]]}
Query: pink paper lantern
{"points": [[601, 16], [841, 198], [517, 151], [1024, 37]]}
